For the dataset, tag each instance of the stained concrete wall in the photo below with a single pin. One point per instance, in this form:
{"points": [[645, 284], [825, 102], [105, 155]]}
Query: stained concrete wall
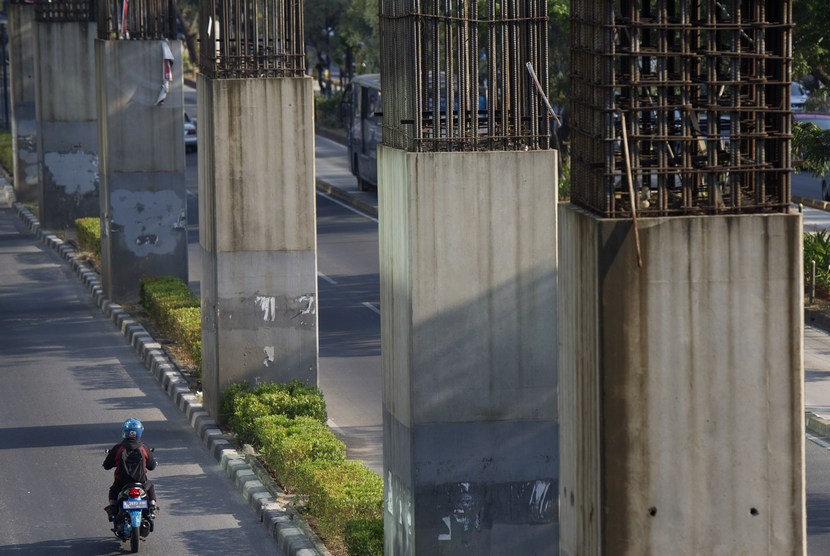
{"points": [[22, 88], [681, 389], [468, 305], [67, 132], [142, 163], [257, 231]]}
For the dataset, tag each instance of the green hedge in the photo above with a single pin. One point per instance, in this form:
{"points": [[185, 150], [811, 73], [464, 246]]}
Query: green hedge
{"points": [[292, 400], [7, 152], [343, 492], [160, 295], [186, 328], [303, 439], [286, 423], [89, 234], [364, 537]]}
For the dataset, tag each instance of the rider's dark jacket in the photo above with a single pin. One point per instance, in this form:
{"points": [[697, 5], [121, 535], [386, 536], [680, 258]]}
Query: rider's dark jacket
{"points": [[112, 461]]}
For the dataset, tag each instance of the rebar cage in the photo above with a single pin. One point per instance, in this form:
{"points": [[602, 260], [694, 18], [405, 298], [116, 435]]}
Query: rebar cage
{"points": [[457, 80], [64, 11], [136, 19], [251, 38], [681, 106]]}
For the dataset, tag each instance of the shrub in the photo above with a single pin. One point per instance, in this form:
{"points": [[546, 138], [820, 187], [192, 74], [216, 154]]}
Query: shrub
{"points": [[227, 401], [246, 410], [186, 327], [364, 537], [6, 152], [89, 234], [293, 399], [344, 492], [327, 112], [303, 439], [817, 248], [159, 295]]}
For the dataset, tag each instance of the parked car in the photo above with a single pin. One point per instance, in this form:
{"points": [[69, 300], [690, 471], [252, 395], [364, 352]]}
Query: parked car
{"points": [[798, 96], [822, 121], [189, 133]]}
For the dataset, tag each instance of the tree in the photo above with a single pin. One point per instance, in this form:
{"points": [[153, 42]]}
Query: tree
{"points": [[811, 39]]}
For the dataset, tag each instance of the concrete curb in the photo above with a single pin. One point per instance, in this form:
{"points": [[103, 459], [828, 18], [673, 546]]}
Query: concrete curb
{"points": [[817, 425], [350, 200], [291, 533]]}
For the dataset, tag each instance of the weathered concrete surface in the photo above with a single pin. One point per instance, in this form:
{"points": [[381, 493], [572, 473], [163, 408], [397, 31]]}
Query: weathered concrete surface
{"points": [[67, 133], [468, 305], [22, 88], [143, 193], [681, 386], [257, 232]]}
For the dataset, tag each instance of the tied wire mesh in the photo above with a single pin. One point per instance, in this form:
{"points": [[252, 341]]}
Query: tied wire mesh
{"points": [[455, 79], [136, 19], [251, 38], [64, 11], [681, 106]]}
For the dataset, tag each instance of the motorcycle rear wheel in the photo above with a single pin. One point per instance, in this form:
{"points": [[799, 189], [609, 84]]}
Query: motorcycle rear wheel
{"points": [[134, 541]]}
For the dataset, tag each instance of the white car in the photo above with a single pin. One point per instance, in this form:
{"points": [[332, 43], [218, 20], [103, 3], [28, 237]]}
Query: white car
{"points": [[189, 133]]}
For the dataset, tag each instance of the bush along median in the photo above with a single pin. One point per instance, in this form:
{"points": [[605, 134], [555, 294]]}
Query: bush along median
{"points": [[285, 423], [89, 235], [175, 309]]}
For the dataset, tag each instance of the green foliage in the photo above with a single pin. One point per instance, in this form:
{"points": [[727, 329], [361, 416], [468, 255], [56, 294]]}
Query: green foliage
{"points": [[7, 152], [286, 447], [817, 248], [327, 112], [89, 234], [291, 400], [364, 537], [186, 327], [343, 492], [159, 295], [811, 36], [227, 401], [811, 146]]}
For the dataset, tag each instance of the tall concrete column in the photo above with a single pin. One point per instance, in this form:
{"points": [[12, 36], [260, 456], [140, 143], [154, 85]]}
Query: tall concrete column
{"points": [[257, 234], [681, 389], [468, 321], [67, 132], [142, 163], [22, 69]]}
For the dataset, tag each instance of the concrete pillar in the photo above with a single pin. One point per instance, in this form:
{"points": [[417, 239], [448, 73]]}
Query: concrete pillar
{"points": [[681, 385], [468, 321], [143, 194], [22, 88], [67, 133], [257, 231]]}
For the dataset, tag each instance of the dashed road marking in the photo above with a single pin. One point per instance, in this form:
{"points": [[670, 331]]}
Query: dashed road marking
{"points": [[371, 307]]}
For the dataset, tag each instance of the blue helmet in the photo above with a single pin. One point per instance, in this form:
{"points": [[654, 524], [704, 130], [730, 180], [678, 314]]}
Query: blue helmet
{"points": [[132, 429]]}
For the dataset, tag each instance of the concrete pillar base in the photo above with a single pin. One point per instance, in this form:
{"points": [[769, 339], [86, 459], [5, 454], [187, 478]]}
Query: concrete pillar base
{"points": [[143, 193], [257, 232], [681, 385], [22, 87], [468, 305]]}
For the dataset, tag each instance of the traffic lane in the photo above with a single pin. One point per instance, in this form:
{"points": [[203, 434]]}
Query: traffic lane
{"points": [[67, 380], [817, 458], [817, 371], [349, 327]]}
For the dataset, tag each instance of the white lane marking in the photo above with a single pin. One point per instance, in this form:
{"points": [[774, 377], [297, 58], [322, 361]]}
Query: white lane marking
{"points": [[326, 278], [820, 441], [345, 206], [372, 307]]}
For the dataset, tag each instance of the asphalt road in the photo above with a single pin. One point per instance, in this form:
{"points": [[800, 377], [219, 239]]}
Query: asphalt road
{"points": [[67, 381]]}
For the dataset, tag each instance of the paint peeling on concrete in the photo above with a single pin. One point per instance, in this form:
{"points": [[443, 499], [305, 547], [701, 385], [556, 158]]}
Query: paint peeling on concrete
{"points": [[75, 172], [181, 223], [269, 356], [309, 301], [268, 306], [148, 220], [539, 498]]}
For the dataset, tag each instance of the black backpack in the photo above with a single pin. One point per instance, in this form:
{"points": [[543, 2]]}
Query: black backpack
{"points": [[132, 464]]}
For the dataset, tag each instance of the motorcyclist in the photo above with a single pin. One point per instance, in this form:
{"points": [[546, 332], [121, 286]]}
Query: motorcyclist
{"points": [[131, 431]]}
